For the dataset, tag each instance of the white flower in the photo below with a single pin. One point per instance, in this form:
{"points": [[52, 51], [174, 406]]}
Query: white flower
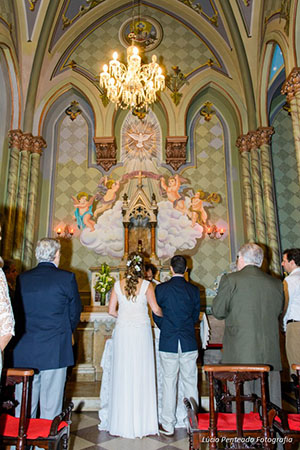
{"points": [[128, 263], [103, 290], [137, 268]]}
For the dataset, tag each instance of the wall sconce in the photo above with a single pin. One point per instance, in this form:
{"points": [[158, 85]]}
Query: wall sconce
{"points": [[66, 233], [214, 232]]}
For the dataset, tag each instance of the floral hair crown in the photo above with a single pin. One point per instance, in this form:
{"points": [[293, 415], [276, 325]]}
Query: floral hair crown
{"points": [[136, 261]]}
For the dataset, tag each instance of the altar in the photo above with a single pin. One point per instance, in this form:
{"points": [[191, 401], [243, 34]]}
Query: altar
{"points": [[139, 218]]}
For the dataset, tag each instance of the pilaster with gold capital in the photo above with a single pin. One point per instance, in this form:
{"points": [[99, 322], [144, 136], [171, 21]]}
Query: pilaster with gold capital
{"points": [[257, 187], [15, 137], [291, 88], [26, 146], [38, 143], [265, 134], [242, 144]]}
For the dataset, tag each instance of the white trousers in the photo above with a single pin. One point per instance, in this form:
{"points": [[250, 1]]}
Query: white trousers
{"points": [[48, 391], [171, 365]]}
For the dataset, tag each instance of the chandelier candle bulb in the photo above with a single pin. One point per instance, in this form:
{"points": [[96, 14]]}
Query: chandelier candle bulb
{"points": [[133, 86]]}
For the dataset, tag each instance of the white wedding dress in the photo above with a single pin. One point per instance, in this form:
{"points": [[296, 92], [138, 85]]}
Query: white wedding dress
{"points": [[132, 407]]}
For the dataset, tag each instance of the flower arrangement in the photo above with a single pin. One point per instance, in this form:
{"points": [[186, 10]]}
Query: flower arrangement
{"points": [[135, 262], [104, 282]]}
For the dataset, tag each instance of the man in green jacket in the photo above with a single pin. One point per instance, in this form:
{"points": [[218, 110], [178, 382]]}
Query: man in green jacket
{"points": [[251, 301]]}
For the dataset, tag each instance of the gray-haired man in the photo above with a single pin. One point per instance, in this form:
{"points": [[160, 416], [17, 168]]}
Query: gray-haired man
{"points": [[251, 301], [49, 311]]}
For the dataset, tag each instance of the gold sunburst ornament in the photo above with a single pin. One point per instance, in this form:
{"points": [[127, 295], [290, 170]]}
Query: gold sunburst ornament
{"points": [[133, 86]]}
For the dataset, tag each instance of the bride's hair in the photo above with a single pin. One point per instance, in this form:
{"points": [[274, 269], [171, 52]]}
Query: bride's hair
{"points": [[134, 271]]}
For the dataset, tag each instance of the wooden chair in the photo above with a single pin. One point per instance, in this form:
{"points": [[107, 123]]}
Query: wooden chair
{"points": [[228, 429], [288, 424], [24, 431]]}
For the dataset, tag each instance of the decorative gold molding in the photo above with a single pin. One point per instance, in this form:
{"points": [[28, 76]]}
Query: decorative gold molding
{"points": [[38, 143], [106, 152], [26, 142], [82, 11], [15, 139], [253, 140], [242, 143], [292, 84], [175, 82], [265, 135], [73, 110], [176, 151], [207, 111], [32, 4], [198, 9]]}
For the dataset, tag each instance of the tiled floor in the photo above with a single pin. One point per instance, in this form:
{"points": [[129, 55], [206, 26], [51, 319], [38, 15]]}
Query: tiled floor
{"points": [[85, 435]]}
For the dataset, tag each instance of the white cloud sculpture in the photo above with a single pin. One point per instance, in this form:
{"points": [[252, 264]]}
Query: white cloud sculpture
{"points": [[108, 237], [174, 231]]}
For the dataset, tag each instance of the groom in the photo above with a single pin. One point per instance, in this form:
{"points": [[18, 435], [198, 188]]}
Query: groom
{"points": [[178, 350]]}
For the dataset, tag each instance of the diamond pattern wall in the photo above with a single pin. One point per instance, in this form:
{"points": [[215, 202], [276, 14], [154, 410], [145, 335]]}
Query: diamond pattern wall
{"points": [[73, 176], [212, 256], [179, 45], [286, 181]]}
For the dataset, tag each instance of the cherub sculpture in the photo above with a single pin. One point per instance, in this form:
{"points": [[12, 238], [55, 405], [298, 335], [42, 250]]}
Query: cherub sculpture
{"points": [[173, 192], [107, 195], [83, 212]]}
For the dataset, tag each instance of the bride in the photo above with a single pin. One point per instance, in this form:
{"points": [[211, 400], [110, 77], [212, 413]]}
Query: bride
{"points": [[132, 410]]}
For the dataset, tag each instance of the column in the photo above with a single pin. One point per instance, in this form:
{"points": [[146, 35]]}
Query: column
{"points": [[26, 145], [265, 134], [292, 90], [257, 188], [11, 191], [38, 143], [153, 246], [126, 240], [242, 144]]}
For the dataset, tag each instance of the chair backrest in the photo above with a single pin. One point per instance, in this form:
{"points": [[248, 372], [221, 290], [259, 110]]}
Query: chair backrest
{"points": [[296, 384], [25, 376], [238, 374], [25, 431]]}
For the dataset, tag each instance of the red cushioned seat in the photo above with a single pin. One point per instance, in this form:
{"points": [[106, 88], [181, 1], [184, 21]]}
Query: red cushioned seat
{"points": [[232, 427], [9, 426], [227, 421], [293, 421]]}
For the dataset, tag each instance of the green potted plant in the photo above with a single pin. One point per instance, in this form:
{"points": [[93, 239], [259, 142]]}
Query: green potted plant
{"points": [[104, 283]]}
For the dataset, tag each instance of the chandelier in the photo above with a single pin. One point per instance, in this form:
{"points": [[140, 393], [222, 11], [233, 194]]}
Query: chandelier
{"points": [[133, 86]]}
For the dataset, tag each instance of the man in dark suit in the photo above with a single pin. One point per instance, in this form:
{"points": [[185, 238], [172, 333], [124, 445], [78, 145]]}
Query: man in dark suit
{"points": [[48, 311], [251, 301], [178, 349]]}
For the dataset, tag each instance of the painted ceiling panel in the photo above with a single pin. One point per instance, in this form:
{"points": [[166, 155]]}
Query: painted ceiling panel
{"points": [[73, 10], [180, 45], [32, 8], [246, 7]]}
